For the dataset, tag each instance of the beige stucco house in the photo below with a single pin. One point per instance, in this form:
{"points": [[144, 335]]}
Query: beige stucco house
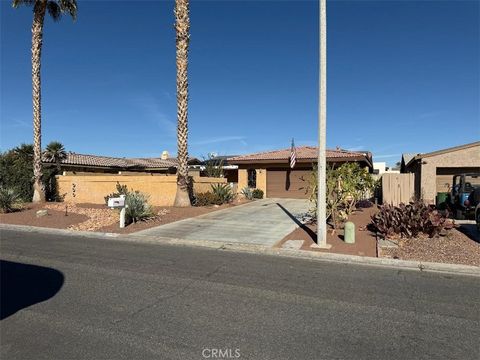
{"points": [[270, 171], [434, 171]]}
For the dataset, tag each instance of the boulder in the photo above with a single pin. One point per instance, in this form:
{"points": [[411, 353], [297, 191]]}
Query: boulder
{"points": [[41, 213]]}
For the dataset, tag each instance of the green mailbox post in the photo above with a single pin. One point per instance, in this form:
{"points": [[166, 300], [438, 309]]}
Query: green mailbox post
{"points": [[349, 232]]}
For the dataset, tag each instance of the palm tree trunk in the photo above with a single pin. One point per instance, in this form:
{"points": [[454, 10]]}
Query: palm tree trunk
{"points": [[37, 35], [182, 27]]}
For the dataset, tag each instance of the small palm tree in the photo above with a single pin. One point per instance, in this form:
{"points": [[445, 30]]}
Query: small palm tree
{"points": [[55, 8], [55, 152], [182, 27]]}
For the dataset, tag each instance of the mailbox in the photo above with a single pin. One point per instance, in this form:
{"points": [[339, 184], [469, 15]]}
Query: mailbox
{"points": [[116, 202]]}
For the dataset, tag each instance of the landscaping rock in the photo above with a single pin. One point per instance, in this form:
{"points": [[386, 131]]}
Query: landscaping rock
{"points": [[41, 213]]}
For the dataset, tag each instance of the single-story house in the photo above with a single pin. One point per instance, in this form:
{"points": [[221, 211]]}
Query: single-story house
{"points": [[77, 164], [434, 171], [270, 171]]}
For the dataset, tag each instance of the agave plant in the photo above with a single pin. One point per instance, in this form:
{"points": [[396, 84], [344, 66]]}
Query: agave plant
{"points": [[247, 192], [223, 193]]}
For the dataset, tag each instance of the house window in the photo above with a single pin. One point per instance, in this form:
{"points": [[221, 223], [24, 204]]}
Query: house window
{"points": [[252, 178]]}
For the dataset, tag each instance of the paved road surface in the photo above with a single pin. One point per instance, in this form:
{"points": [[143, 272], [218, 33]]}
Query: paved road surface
{"points": [[262, 222], [79, 298]]}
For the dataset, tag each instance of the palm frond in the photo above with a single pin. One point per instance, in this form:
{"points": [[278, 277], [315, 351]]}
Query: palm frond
{"points": [[17, 3], [69, 6], [54, 10]]}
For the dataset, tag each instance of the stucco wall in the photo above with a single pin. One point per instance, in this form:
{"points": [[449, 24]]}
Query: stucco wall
{"points": [[93, 189], [469, 157], [261, 180], [242, 179]]}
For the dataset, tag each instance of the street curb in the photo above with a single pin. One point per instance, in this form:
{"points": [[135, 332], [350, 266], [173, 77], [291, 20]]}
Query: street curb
{"points": [[264, 250], [90, 234]]}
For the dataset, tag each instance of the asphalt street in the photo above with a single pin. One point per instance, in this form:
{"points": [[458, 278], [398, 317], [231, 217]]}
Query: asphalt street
{"points": [[66, 297]]}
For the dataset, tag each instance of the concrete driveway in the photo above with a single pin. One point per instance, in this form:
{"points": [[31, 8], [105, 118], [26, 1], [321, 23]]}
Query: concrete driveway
{"points": [[260, 222]]}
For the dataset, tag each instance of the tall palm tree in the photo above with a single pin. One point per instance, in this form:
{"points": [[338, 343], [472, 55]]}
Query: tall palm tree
{"points": [[182, 27], [55, 8], [55, 152]]}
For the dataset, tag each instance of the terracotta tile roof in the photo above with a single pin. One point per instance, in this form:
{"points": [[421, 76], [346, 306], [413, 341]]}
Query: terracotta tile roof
{"points": [[114, 162], [303, 153]]}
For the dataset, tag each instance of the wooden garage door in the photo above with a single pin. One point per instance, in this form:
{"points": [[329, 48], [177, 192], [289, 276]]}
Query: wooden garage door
{"points": [[283, 183], [445, 176]]}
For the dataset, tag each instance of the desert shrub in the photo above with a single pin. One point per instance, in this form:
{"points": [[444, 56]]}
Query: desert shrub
{"points": [[205, 199], [257, 194], [410, 220], [8, 199], [247, 192], [121, 190], [138, 208], [223, 193], [16, 172], [346, 185]]}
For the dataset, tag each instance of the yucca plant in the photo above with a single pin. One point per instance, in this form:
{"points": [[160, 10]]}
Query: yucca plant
{"points": [[8, 199], [121, 190], [138, 208]]}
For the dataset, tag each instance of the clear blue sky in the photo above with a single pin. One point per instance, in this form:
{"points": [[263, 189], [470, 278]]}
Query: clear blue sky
{"points": [[403, 76]]}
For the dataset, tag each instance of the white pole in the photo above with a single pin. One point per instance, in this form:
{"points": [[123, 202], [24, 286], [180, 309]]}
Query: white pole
{"points": [[122, 213], [322, 128]]}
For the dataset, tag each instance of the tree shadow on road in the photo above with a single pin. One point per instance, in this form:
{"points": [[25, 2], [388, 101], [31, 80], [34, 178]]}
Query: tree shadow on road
{"points": [[23, 285]]}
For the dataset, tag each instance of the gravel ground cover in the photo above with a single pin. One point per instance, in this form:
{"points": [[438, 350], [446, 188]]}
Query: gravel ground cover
{"points": [[454, 248], [98, 217]]}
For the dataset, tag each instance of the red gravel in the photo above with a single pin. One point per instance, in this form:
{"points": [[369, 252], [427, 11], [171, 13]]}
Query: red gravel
{"points": [[455, 248], [98, 217], [54, 219], [365, 241], [167, 215]]}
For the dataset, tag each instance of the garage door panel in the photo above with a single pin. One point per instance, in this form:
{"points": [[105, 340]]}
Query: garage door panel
{"points": [[288, 183]]}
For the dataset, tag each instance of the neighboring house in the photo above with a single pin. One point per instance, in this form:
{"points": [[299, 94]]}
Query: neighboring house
{"points": [[77, 164], [270, 171], [380, 168], [434, 171], [230, 172]]}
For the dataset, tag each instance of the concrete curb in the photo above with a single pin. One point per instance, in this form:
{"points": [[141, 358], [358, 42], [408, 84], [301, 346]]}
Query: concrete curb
{"points": [[264, 250], [90, 234]]}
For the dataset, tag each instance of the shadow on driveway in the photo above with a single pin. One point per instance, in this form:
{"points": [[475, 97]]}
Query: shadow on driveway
{"points": [[309, 231], [23, 285]]}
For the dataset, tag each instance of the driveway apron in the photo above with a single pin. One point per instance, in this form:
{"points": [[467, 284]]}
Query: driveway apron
{"points": [[260, 222]]}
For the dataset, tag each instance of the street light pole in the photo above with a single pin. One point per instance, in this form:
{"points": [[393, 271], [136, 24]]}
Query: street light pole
{"points": [[322, 132]]}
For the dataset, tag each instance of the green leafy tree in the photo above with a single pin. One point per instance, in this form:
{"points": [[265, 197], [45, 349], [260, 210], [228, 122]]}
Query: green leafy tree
{"points": [[345, 186], [55, 9]]}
